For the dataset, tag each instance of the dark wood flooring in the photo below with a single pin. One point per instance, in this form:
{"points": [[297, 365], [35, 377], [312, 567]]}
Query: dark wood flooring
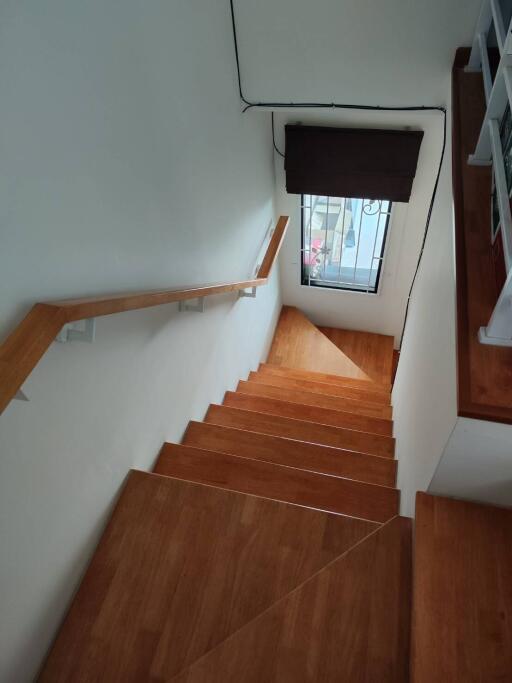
{"points": [[484, 372]]}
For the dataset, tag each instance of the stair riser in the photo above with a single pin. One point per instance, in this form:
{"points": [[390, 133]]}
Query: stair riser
{"points": [[280, 451], [331, 380], [301, 430], [325, 409], [297, 411], [379, 399], [326, 393], [286, 484]]}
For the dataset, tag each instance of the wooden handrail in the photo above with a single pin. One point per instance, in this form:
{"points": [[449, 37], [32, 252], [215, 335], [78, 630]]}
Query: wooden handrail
{"points": [[26, 345]]}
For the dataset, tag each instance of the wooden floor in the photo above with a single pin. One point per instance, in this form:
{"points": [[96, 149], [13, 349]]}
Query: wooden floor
{"points": [[372, 353], [180, 568], [299, 344], [484, 372], [462, 629], [305, 638]]}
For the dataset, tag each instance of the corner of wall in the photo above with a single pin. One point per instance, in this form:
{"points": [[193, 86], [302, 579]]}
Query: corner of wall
{"points": [[424, 394]]}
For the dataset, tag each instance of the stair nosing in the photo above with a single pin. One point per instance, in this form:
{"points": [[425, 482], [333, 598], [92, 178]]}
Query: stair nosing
{"points": [[372, 400], [289, 438], [363, 401], [276, 500], [305, 405], [374, 386], [220, 405], [314, 393], [279, 464], [279, 500]]}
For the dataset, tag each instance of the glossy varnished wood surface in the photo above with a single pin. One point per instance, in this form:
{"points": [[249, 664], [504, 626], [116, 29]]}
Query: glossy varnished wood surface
{"points": [[396, 358], [287, 484], [373, 353], [462, 592], [258, 387], [26, 345], [299, 344], [359, 398], [179, 568], [300, 411], [282, 451], [348, 624], [301, 430], [273, 249], [323, 377], [484, 372]]}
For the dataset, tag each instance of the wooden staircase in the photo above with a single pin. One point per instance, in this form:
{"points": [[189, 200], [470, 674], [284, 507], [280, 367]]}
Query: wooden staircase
{"points": [[267, 546], [311, 442]]}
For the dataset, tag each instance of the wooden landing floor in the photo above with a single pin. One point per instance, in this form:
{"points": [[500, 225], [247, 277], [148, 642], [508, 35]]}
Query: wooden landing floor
{"points": [[302, 639], [372, 353], [462, 592], [179, 568], [357, 355], [484, 372]]}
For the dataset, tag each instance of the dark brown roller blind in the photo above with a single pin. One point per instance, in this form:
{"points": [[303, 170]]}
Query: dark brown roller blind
{"points": [[351, 162]]}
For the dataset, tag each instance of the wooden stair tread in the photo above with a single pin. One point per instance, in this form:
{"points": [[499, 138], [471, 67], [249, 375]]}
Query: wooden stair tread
{"points": [[324, 378], [179, 568], [283, 451], [326, 392], [298, 343], [368, 396], [462, 592], [349, 418], [278, 482], [299, 411], [301, 430], [349, 623]]}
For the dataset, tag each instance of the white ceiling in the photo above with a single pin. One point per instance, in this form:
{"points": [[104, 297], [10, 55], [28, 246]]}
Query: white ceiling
{"points": [[396, 52]]}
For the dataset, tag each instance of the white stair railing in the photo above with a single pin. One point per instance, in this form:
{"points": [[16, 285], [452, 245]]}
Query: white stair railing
{"points": [[488, 150]]}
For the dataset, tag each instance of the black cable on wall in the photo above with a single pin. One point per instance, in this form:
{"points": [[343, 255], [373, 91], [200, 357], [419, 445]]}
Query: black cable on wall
{"points": [[361, 107]]}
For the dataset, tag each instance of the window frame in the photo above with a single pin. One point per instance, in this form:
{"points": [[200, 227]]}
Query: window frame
{"points": [[353, 290]]}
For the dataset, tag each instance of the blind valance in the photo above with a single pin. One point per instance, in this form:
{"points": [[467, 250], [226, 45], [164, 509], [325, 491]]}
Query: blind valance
{"points": [[351, 162]]}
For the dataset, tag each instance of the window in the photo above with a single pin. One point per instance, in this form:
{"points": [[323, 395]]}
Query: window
{"points": [[343, 242]]}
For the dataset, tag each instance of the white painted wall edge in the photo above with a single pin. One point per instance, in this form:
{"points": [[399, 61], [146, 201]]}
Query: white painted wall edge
{"points": [[476, 464]]}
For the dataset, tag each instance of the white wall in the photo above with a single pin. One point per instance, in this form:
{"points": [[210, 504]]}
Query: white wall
{"points": [[382, 313], [477, 463], [424, 394], [396, 52], [125, 163]]}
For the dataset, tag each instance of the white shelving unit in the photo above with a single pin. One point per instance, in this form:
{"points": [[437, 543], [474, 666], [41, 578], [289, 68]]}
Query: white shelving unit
{"points": [[488, 150]]}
